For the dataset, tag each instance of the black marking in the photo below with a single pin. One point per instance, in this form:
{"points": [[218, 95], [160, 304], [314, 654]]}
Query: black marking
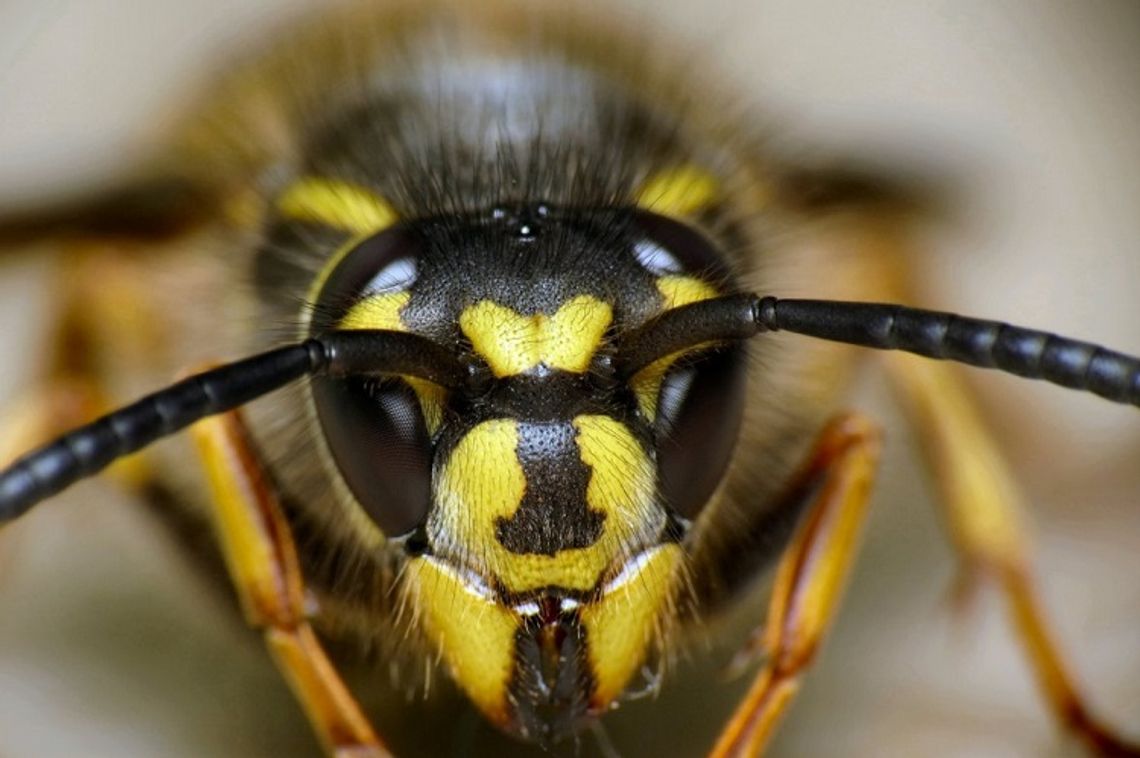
{"points": [[530, 262], [553, 515], [511, 599], [557, 396]]}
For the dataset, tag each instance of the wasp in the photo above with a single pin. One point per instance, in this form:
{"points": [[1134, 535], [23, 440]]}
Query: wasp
{"points": [[510, 385]]}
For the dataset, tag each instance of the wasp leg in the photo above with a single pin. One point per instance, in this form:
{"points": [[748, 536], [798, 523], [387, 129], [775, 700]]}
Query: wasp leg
{"points": [[262, 562], [982, 508], [141, 209], [70, 390], [810, 578], [103, 304]]}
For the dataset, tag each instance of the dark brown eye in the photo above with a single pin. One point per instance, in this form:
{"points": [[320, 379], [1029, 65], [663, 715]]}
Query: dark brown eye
{"points": [[375, 427], [665, 247], [378, 439], [701, 400], [698, 418], [385, 262]]}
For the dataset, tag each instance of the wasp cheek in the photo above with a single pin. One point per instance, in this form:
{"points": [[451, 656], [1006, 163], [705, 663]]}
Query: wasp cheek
{"points": [[622, 625], [474, 634]]}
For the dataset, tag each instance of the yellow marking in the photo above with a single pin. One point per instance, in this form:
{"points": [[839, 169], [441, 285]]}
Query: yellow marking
{"points": [[377, 312], [432, 399], [682, 290], [622, 479], [318, 284], [483, 481], [473, 634], [341, 205], [678, 192], [514, 344], [383, 312], [621, 626], [646, 384], [676, 291]]}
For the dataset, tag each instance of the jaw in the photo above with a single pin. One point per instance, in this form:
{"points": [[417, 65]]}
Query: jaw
{"points": [[542, 667]]}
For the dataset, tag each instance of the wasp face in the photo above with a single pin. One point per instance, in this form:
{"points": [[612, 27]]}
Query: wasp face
{"points": [[545, 503]]}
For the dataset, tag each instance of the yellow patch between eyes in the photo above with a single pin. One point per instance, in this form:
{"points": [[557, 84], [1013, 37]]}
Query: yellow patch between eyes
{"points": [[483, 481], [513, 344], [340, 205], [678, 192], [676, 291]]}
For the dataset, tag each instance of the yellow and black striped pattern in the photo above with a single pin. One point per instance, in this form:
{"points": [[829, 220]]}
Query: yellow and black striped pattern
{"points": [[470, 592]]}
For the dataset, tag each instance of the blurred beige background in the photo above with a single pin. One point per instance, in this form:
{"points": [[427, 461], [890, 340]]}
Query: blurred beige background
{"points": [[1029, 109]]}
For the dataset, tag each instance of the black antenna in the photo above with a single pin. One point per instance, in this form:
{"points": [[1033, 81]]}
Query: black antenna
{"points": [[91, 448], [989, 344]]}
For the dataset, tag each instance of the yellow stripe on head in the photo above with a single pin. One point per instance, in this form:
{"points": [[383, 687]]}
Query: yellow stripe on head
{"points": [[677, 291], [678, 192], [340, 205], [377, 312], [383, 312], [513, 344]]}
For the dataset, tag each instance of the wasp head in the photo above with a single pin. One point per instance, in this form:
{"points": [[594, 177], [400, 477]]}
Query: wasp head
{"points": [[543, 505]]}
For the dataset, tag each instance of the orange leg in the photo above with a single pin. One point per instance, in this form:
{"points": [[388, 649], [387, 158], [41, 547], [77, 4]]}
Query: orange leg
{"points": [[982, 511], [102, 304], [809, 580], [262, 561]]}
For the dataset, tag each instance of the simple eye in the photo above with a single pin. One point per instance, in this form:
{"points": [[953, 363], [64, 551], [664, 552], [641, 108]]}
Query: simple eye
{"points": [[375, 428], [698, 418], [379, 441]]}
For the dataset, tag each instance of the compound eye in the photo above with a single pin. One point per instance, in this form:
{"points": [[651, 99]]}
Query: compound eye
{"points": [[375, 428], [698, 419], [384, 263], [701, 399], [665, 247], [380, 443]]}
